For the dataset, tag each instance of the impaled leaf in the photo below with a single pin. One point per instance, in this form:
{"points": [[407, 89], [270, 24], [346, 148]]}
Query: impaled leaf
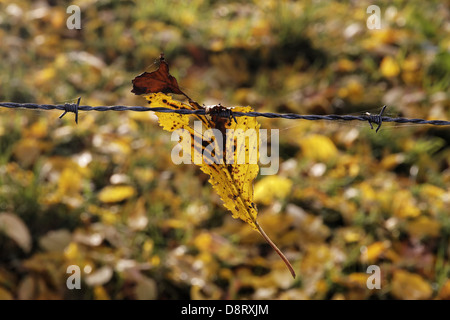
{"points": [[231, 171]]}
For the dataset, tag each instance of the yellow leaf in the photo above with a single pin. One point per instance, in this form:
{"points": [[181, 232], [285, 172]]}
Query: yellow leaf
{"points": [[367, 191], [358, 279], [235, 191], [382, 37], [45, 76], [148, 246], [345, 65], [57, 18], [272, 187], [169, 121], [316, 259], [318, 147], [203, 241], [229, 160], [322, 286], [173, 224], [353, 91], [155, 260], [389, 67], [392, 160], [37, 130], [404, 205], [351, 235], [69, 182], [410, 286], [411, 70], [374, 251], [72, 251], [116, 193], [208, 242], [143, 175], [424, 226], [107, 216], [431, 191]]}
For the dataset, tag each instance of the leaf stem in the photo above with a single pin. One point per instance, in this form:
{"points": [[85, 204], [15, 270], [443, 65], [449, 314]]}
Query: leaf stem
{"points": [[274, 247]]}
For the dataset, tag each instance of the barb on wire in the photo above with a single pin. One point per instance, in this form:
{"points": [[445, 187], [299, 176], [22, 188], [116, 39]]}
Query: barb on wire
{"points": [[375, 119], [71, 107]]}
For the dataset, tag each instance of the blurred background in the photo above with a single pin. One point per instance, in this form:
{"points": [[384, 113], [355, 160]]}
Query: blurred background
{"points": [[105, 196]]}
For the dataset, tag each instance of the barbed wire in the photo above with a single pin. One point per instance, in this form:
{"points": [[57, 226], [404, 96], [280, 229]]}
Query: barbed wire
{"points": [[377, 119]]}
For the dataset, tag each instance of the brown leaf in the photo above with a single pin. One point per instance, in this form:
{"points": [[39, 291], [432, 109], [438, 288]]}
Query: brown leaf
{"points": [[27, 288], [16, 229], [146, 289], [55, 240], [157, 81]]}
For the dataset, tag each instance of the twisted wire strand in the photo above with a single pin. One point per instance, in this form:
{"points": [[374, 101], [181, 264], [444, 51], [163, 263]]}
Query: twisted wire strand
{"points": [[376, 119]]}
